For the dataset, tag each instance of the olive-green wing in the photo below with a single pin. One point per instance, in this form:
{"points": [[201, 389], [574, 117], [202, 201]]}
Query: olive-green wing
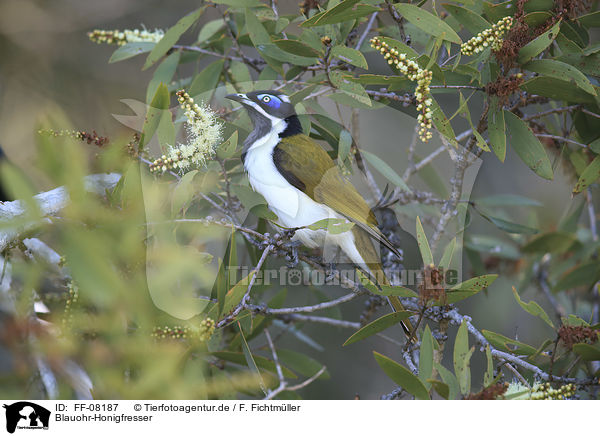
{"points": [[309, 168]]}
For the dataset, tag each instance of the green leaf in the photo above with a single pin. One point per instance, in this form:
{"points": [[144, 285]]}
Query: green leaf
{"points": [[272, 51], [426, 357], [130, 50], [250, 360], [334, 226], [344, 11], [501, 342], [552, 242], [423, 244], [207, 79], [296, 47], [557, 89], [488, 377], [473, 22], [441, 388], [402, 377], [172, 36], [344, 145], [353, 89], [462, 359], [527, 146], [227, 148], [449, 379], [379, 325], [508, 226], [507, 200], [350, 56], [261, 362], [585, 274], [588, 176], [539, 44], [590, 20], [441, 122], [236, 293], [496, 129], [532, 308], [427, 22], [384, 290], [386, 170], [301, 363], [587, 352], [448, 253], [239, 3], [163, 74], [263, 211], [562, 71], [468, 288], [160, 102]]}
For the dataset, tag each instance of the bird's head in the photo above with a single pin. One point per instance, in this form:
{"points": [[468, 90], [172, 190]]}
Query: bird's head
{"points": [[265, 107]]}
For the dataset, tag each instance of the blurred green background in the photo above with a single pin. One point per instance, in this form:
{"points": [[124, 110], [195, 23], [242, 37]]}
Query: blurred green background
{"points": [[50, 70]]}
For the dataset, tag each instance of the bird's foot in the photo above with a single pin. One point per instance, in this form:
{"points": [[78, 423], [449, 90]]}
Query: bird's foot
{"points": [[292, 256]]}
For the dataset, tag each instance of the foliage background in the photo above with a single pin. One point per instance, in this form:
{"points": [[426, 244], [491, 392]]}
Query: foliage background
{"points": [[53, 76]]}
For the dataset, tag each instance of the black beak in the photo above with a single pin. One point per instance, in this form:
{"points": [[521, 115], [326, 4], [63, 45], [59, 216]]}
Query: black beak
{"points": [[240, 98]]}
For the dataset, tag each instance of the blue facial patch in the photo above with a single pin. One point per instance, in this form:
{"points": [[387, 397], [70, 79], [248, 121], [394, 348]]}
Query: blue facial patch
{"points": [[270, 100]]}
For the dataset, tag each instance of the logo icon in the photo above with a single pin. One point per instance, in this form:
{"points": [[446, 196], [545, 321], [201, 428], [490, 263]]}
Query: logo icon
{"points": [[26, 415]]}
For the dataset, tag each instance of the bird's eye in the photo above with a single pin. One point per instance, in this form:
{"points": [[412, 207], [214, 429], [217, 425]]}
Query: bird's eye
{"points": [[266, 99]]}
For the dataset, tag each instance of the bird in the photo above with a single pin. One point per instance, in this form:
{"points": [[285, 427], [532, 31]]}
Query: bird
{"points": [[303, 185]]}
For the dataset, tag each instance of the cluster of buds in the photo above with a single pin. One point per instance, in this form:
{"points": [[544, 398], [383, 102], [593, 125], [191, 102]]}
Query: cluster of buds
{"points": [[119, 37], [413, 72], [176, 332], [204, 131], [545, 392], [77, 134], [71, 300], [489, 37], [206, 330]]}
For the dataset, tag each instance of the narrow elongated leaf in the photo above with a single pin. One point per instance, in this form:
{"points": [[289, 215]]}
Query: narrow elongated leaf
{"points": [[207, 79], [539, 44], [468, 288], [447, 256], [533, 308], [503, 343], [350, 56], [172, 36], [449, 379], [471, 21], [587, 352], [585, 274], [488, 377], [130, 50], [239, 3], [353, 89], [552, 242], [227, 148], [344, 11], [508, 226], [164, 74], [335, 226], [272, 51], [562, 71], [301, 363], [386, 170], [527, 146], [426, 357], [402, 376], [423, 244], [496, 129], [159, 103], [250, 360], [377, 326], [557, 89], [296, 47], [428, 22], [462, 359], [260, 361], [507, 200], [588, 176]]}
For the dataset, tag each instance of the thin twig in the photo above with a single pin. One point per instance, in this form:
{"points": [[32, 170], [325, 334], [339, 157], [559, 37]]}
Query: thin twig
{"points": [[363, 36], [560, 138], [244, 303]]}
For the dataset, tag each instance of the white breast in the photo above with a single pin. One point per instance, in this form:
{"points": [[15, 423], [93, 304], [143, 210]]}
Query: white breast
{"points": [[293, 207]]}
